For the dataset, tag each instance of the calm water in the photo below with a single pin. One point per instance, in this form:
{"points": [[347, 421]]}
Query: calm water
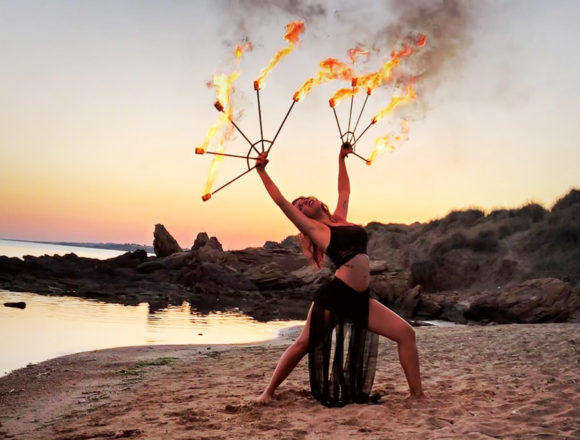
{"points": [[12, 248], [54, 326]]}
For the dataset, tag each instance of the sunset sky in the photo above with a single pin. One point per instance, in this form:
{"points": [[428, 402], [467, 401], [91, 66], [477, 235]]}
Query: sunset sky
{"points": [[103, 103]]}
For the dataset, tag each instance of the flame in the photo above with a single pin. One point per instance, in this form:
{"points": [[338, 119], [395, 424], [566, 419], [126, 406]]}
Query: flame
{"points": [[224, 84], [330, 69], [341, 94], [373, 80], [384, 143], [356, 52], [421, 40], [241, 48], [292, 36], [217, 160], [395, 102]]}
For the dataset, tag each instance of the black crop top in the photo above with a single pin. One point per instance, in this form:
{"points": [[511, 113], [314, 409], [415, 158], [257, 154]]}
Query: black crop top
{"points": [[346, 241]]}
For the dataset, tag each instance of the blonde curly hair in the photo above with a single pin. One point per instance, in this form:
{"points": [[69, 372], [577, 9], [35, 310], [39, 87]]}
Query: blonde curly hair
{"points": [[313, 253]]}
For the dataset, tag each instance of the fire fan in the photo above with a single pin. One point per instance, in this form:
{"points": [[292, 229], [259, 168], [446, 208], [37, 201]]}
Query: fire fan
{"points": [[223, 105], [329, 69], [262, 145]]}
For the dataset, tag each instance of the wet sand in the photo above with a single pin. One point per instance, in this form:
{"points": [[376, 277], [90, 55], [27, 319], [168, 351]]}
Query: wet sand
{"points": [[494, 382]]}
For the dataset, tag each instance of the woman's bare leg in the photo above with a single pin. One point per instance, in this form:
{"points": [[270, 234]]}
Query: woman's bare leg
{"points": [[387, 323], [288, 362]]}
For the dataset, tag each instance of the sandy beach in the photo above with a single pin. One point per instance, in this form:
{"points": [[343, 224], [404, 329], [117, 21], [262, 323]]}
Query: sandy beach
{"points": [[493, 382]]}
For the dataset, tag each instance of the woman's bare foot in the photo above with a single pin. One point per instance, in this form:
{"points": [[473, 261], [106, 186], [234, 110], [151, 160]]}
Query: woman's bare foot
{"points": [[264, 398]]}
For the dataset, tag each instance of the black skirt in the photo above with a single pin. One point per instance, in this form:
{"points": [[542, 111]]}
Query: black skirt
{"points": [[342, 353]]}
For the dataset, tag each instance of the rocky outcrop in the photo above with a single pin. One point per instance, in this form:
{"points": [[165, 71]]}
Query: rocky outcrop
{"points": [[163, 243], [202, 240], [519, 265], [129, 259], [407, 304], [532, 301], [538, 300]]}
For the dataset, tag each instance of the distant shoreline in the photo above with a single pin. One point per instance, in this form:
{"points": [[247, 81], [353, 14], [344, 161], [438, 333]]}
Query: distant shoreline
{"points": [[129, 247]]}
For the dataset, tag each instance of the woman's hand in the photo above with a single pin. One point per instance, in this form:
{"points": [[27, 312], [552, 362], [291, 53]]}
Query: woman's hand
{"points": [[262, 161], [345, 149]]}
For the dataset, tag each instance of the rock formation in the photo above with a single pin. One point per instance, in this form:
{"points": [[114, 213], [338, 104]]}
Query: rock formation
{"points": [[519, 265], [163, 243]]}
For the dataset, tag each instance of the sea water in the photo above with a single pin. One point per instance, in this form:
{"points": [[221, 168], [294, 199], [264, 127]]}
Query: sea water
{"points": [[15, 248], [52, 326]]}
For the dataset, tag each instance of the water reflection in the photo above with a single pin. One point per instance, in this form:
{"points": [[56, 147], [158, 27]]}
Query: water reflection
{"points": [[53, 326]]}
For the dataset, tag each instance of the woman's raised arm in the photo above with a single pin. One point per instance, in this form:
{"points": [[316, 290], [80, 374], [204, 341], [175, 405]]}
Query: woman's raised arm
{"points": [[313, 229], [343, 184]]}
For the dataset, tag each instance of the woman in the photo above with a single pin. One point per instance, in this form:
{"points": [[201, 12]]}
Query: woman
{"points": [[342, 310]]}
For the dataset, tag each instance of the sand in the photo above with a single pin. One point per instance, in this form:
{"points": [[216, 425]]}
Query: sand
{"points": [[493, 382]]}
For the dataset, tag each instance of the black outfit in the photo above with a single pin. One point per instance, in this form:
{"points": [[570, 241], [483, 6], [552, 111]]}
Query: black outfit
{"points": [[342, 353]]}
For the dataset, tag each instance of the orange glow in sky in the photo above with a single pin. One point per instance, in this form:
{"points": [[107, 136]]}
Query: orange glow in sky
{"points": [[98, 129]]}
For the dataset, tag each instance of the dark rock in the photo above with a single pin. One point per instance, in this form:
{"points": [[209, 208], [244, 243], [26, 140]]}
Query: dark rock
{"points": [[128, 259], [217, 275], [11, 265], [163, 243], [200, 241], [16, 305], [271, 276], [214, 255], [455, 311], [424, 273], [429, 306], [407, 303], [533, 301], [215, 244], [203, 240], [388, 243], [378, 266], [210, 250], [172, 262], [389, 287], [291, 242], [286, 259], [149, 266], [460, 262]]}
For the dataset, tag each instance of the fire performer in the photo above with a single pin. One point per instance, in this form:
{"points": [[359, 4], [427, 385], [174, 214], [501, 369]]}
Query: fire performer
{"points": [[343, 312]]}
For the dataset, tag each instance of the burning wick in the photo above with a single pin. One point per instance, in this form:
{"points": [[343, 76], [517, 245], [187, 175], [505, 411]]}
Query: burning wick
{"points": [[199, 151], [218, 105], [206, 197], [257, 85]]}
